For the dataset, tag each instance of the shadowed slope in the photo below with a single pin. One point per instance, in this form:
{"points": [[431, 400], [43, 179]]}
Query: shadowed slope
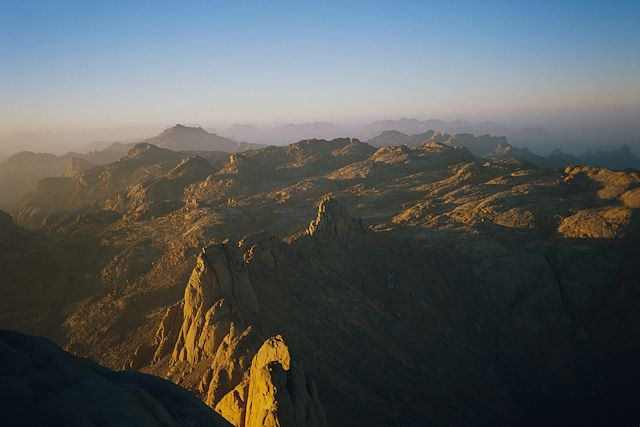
{"points": [[42, 385]]}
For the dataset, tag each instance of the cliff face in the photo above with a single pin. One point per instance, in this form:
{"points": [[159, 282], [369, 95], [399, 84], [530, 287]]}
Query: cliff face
{"points": [[217, 296], [280, 393], [219, 347], [337, 291], [211, 328]]}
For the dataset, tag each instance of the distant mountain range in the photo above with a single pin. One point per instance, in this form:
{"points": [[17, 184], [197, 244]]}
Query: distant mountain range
{"points": [[570, 131], [20, 172], [541, 139], [415, 126], [497, 148]]}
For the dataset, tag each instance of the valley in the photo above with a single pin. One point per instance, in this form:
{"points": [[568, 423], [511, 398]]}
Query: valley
{"points": [[331, 282]]}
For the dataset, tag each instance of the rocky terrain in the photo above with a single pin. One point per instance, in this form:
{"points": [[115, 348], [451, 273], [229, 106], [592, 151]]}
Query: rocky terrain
{"points": [[337, 283], [20, 173], [497, 148]]}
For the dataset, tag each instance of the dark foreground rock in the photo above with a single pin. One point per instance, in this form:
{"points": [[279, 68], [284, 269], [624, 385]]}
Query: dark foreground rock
{"points": [[42, 385]]}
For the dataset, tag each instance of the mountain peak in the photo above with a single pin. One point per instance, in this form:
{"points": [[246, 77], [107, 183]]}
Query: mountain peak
{"points": [[180, 128], [186, 138], [280, 392], [333, 219], [218, 292]]}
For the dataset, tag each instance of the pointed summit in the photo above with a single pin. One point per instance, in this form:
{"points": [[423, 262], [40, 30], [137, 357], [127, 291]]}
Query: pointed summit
{"points": [[280, 392], [182, 129], [333, 219], [186, 138], [218, 293]]}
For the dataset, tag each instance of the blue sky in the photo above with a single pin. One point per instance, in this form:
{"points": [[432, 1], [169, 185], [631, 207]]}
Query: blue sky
{"points": [[66, 64]]}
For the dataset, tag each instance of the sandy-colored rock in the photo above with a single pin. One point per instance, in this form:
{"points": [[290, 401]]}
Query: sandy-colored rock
{"points": [[280, 393], [167, 333], [233, 405], [217, 290], [631, 198], [603, 223]]}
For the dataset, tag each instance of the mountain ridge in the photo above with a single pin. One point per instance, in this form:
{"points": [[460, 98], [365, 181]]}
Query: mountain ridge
{"points": [[497, 148], [454, 275]]}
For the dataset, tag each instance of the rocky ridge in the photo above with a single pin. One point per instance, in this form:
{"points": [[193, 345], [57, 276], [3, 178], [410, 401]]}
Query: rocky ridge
{"points": [[454, 275], [497, 148], [218, 347]]}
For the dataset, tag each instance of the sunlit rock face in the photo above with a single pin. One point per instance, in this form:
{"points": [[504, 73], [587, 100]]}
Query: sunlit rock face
{"points": [[214, 324], [168, 331], [615, 213], [247, 380], [280, 393], [606, 223], [218, 293]]}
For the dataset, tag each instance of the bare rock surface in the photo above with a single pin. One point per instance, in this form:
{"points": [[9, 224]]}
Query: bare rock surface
{"points": [[218, 354], [280, 393], [419, 285]]}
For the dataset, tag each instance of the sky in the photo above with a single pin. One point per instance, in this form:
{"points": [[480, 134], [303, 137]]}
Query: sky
{"points": [[117, 64]]}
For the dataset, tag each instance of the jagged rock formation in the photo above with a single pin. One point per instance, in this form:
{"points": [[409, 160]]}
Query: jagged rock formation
{"points": [[333, 219], [353, 272], [463, 293], [280, 393], [214, 325], [43, 385], [497, 148], [217, 292], [219, 339]]}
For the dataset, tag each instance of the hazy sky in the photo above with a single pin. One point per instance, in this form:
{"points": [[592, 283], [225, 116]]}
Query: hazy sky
{"points": [[76, 64]]}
